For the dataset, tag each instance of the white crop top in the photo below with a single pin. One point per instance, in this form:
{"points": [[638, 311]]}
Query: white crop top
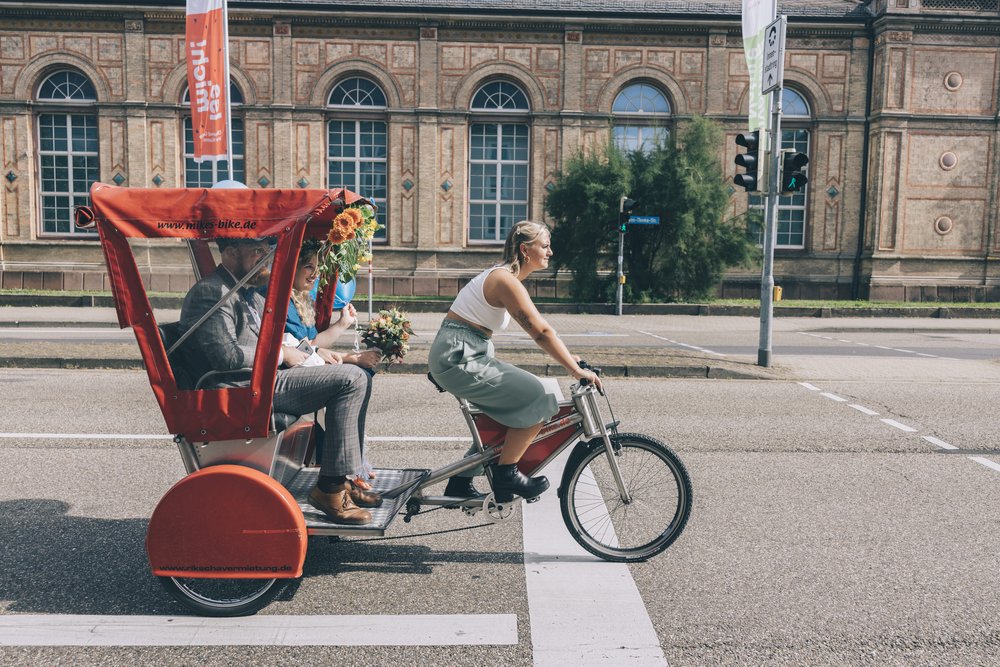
{"points": [[471, 305]]}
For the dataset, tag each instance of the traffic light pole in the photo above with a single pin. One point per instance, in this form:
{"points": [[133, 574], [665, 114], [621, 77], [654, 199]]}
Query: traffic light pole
{"points": [[770, 233], [621, 273]]}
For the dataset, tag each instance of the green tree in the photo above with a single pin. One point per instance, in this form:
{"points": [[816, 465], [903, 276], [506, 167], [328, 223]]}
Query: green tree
{"points": [[585, 205], [682, 182]]}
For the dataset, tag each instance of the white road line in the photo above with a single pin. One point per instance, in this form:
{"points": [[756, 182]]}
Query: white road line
{"points": [[150, 436], [882, 347], [834, 397], [376, 630], [986, 462], [902, 350], [861, 408], [902, 427], [675, 342], [85, 436], [844, 340], [924, 354], [940, 443], [583, 611], [809, 386]]}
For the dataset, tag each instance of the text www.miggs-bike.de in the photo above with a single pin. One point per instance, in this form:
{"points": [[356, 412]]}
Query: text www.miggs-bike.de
{"points": [[207, 224]]}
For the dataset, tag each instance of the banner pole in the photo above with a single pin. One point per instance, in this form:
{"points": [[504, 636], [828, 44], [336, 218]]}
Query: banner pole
{"points": [[229, 100]]}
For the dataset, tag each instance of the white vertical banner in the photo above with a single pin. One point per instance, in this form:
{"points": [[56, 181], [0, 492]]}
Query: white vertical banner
{"points": [[757, 14], [206, 47]]}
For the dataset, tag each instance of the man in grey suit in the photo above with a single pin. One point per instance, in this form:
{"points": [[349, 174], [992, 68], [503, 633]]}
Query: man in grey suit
{"points": [[227, 341]]}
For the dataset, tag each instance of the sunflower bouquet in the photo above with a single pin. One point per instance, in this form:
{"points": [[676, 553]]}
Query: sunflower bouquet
{"points": [[345, 248], [389, 332]]}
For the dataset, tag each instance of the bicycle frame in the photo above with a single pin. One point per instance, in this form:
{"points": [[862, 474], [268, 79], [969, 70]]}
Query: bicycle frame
{"points": [[578, 419]]}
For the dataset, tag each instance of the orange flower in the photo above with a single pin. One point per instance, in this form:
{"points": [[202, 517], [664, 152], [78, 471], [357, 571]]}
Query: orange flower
{"points": [[354, 215], [336, 236]]}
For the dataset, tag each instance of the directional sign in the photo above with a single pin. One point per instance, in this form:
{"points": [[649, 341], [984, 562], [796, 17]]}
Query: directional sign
{"points": [[773, 71], [644, 220]]}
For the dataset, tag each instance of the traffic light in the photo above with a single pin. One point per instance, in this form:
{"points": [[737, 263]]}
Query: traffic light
{"points": [[751, 161], [624, 211], [792, 178]]}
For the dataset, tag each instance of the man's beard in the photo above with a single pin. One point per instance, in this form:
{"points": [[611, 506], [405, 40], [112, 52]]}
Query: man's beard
{"points": [[261, 278]]}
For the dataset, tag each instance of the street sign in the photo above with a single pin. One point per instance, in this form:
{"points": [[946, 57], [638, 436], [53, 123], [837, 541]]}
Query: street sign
{"points": [[773, 72], [644, 220]]}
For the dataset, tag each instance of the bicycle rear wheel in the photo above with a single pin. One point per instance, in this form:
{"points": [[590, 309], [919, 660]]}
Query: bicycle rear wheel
{"points": [[659, 505]]}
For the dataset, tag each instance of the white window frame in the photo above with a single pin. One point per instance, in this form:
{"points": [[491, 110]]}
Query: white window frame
{"points": [[498, 117], [67, 109]]}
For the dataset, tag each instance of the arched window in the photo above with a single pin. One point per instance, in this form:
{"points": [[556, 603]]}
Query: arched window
{"points": [[67, 149], [358, 142], [498, 162], [795, 119], [208, 173], [641, 114]]}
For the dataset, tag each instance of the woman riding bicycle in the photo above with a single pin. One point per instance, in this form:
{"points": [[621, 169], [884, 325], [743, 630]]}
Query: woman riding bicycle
{"points": [[462, 359]]}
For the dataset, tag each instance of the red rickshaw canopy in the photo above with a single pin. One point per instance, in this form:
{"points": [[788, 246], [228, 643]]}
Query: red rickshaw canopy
{"points": [[201, 215]]}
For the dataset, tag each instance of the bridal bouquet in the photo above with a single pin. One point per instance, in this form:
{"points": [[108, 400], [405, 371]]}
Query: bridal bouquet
{"points": [[346, 246], [389, 332]]}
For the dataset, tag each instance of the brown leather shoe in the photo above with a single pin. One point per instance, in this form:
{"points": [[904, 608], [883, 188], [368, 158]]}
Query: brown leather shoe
{"points": [[361, 497], [339, 507]]}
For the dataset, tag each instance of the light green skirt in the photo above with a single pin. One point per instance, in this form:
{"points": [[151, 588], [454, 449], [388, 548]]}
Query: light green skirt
{"points": [[462, 362]]}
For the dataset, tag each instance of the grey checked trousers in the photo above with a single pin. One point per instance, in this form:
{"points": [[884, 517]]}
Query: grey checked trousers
{"points": [[342, 389]]}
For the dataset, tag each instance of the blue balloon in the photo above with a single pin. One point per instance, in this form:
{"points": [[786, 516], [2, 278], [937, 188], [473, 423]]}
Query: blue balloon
{"points": [[344, 293]]}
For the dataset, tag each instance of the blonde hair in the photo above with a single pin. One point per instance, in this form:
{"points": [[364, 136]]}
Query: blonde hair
{"points": [[525, 231], [302, 299]]}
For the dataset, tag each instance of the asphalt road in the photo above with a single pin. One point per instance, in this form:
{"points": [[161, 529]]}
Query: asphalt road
{"points": [[844, 514]]}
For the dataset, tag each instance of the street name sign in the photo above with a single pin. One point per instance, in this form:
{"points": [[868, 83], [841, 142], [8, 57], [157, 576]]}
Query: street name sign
{"points": [[773, 72], [644, 220]]}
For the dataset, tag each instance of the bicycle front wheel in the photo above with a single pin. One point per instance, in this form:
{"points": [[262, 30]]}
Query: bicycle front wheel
{"points": [[657, 510]]}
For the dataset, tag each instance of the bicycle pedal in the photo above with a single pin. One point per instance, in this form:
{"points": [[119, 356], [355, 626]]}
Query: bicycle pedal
{"points": [[532, 500]]}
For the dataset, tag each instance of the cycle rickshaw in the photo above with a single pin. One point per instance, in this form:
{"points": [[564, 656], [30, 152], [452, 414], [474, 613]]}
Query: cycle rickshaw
{"points": [[228, 536]]}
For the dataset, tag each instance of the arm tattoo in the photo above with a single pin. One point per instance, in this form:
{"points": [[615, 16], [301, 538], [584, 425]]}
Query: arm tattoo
{"points": [[524, 320]]}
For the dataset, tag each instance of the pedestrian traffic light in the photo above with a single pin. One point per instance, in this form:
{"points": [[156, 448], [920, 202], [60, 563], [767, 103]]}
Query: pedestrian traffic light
{"points": [[624, 211], [792, 178], [749, 161]]}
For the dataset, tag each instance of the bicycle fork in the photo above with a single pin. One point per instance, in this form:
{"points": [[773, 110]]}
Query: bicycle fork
{"points": [[594, 425]]}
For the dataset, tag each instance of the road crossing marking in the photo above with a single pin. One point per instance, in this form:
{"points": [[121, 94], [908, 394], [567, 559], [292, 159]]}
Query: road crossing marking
{"points": [[583, 611], [833, 397], [265, 630], [809, 386], [675, 342], [861, 408]]}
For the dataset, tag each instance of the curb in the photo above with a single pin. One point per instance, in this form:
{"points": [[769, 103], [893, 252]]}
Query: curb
{"points": [[610, 370]]}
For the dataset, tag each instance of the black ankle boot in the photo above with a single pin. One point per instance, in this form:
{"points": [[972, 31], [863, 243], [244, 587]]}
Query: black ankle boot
{"points": [[461, 487], [508, 481]]}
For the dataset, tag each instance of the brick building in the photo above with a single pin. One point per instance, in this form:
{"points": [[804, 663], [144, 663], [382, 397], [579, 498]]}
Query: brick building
{"points": [[895, 101]]}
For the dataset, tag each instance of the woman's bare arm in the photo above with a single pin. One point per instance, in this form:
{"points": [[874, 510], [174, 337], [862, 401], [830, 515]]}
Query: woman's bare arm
{"points": [[502, 289]]}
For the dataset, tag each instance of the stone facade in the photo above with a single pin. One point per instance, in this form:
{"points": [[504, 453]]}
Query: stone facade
{"points": [[903, 127]]}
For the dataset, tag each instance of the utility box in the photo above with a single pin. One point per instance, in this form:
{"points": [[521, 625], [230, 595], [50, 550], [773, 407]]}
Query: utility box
{"points": [[777, 293]]}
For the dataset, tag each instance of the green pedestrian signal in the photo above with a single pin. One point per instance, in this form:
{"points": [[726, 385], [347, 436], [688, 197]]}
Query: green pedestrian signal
{"points": [[625, 207], [792, 177]]}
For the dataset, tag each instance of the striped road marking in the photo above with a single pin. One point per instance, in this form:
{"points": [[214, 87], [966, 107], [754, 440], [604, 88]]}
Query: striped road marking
{"points": [[992, 465], [680, 344], [423, 630], [151, 436], [583, 611]]}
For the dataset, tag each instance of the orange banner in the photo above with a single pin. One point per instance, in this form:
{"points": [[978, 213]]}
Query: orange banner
{"points": [[208, 86]]}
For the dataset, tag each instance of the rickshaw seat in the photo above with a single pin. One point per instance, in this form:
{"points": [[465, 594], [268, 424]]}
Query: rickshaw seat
{"points": [[170, 333]]}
